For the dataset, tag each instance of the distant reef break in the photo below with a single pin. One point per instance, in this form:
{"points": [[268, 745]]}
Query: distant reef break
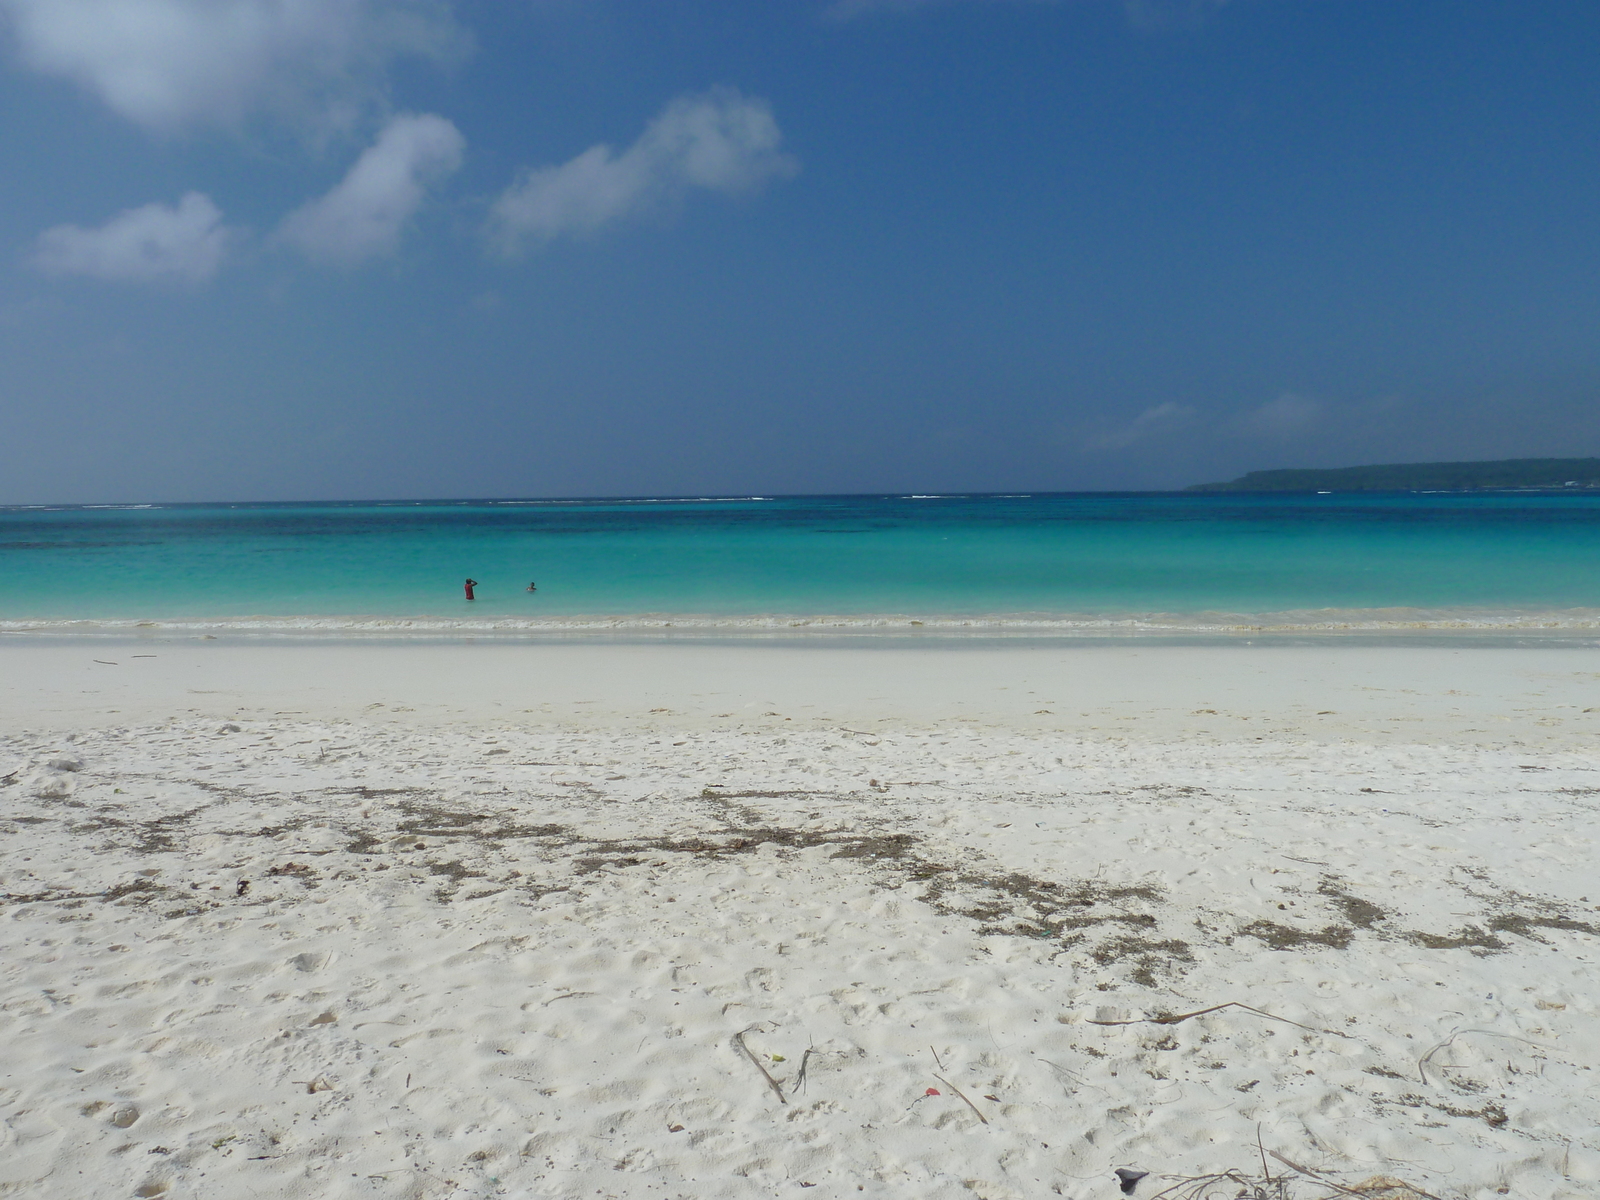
{"points": [[1422, 477]]}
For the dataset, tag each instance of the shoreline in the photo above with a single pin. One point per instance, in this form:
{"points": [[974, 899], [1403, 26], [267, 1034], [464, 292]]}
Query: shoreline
{"points": [[1467, 624]]}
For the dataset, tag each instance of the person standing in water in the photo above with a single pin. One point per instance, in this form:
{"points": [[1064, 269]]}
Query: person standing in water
{"points": [[471, 583]]}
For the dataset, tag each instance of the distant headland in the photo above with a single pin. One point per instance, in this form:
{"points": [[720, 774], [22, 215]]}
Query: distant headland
{"points": [[1422, 477]]}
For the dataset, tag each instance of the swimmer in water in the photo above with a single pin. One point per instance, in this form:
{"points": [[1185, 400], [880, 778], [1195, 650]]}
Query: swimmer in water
{"points": [[471, 583], [533, 587]]}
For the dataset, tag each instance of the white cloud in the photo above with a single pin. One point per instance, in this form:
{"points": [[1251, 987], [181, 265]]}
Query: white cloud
{"points": [[1285, 416], [1281, 419], [720, 141], [153, 244], [1162, 418], [365, 214], [169, 63]]}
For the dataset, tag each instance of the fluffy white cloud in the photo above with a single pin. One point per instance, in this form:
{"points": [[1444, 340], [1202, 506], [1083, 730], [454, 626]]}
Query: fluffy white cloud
{"points": [[170, 63], [364, 215], [720, 141], [153, 244]]}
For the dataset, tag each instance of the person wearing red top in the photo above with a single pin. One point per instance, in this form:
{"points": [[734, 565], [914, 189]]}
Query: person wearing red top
{"points": [[471, 583]]}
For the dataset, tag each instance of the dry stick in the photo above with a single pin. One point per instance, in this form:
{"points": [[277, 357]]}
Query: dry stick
{"points": [[1422, 1063], [1195, 1187], [936, 1061], [565, 996], [1338, 1187], [772, 1083], [1174, 1018], [964, 1099], [805, 1059], [1062, 1071], [800, 1079]]}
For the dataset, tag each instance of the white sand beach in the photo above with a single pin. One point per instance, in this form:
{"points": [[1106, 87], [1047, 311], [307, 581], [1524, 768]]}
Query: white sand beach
{"points": [[888, 920]]}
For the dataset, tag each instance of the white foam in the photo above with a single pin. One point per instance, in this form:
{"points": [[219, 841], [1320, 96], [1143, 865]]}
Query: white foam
{"points": [[1573, 622]]}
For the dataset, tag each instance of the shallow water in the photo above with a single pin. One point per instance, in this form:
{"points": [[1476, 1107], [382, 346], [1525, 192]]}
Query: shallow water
{"points": [[1071, 562]]}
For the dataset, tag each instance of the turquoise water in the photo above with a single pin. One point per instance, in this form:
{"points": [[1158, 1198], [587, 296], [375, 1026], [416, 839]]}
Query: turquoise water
{"points": [[1071, 562]]}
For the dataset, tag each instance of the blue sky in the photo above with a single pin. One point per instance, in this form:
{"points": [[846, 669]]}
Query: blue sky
{"points": [[299, 249]]}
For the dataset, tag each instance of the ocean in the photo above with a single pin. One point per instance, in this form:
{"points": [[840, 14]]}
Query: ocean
{"points": [[1082, 564]]}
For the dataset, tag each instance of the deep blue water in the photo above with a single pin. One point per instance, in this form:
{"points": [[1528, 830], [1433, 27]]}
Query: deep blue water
{"points": [[1081, 556]]}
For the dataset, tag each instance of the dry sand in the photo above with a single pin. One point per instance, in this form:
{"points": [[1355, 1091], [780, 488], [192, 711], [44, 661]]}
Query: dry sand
{"points": [[705, 921]]}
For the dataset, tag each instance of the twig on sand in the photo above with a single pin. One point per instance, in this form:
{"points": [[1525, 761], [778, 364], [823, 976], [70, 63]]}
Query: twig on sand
{"points": [[1338, 1187], [805, 1062], [936, 1061], [800, 1076], [565, 996], [963, 1097], [1174, 1018], [1422, 1063], [1266, 1186], [1063, 1072], [738, 1040], [1198, 1187]]}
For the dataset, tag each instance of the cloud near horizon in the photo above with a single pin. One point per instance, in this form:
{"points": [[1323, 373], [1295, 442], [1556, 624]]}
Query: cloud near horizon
{"points": [[365, 214], [719, 141], [156, 243], [1158, 419], [1281, 419], [169, 64]]}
